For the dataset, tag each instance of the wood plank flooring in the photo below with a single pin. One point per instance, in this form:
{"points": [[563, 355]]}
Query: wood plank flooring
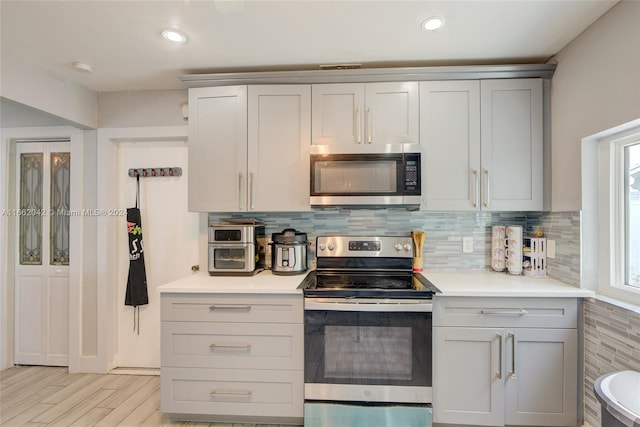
{"points": [[38, 396]]}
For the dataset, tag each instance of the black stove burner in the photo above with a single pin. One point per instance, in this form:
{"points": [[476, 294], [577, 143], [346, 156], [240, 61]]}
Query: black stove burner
{"points": [[332, 284], [364, 281]]}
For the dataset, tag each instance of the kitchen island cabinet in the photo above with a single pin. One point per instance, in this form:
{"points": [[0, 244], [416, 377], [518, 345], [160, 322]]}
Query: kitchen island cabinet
{"points": [[482, 145], [505, 361], [232, 357], [348, 114], [249, 148]]}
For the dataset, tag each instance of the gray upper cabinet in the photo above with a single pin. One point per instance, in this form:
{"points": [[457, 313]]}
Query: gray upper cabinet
{"points": [[217, 148], [249, 148], [482, 145], [365, 113], [511, 145]]}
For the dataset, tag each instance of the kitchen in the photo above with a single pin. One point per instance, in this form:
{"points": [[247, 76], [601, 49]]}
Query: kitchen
{"points": [[584, 101]]}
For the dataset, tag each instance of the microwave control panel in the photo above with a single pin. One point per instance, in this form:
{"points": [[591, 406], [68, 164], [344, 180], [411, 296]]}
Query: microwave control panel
{"points": [[412, 173]]}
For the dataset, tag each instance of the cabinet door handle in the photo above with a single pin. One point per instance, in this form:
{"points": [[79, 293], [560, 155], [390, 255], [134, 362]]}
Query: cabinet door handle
{"points": [[504, 313], [230, 394], [242, 347], [487, 192], [512, 374], [240, 191], [474, 190], [357, 125], [230, 307], [368, 125], [499, 373], [251, 190]]}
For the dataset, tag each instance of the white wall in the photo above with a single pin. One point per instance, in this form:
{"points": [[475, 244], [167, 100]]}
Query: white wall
{"points": [[596, 86], [142, 108], [26, 83]]}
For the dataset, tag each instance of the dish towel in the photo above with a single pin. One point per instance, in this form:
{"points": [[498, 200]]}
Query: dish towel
{"points": [[137, 282]]}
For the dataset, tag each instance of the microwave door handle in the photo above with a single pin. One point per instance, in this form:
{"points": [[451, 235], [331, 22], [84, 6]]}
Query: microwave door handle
{"points": [[357, 126]]}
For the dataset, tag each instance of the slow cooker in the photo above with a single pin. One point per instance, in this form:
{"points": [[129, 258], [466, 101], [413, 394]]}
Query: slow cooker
{"points": [[289, 252]]}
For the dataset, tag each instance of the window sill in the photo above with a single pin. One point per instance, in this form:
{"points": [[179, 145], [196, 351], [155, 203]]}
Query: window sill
{"points": [[616, 302]]}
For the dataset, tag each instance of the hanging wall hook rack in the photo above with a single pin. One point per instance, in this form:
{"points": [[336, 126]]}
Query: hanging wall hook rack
{"points": [[149, 172]]}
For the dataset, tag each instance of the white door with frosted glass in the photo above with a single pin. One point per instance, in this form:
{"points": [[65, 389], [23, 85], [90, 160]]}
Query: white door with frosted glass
{"points": [[170, 240], [42, 258]]}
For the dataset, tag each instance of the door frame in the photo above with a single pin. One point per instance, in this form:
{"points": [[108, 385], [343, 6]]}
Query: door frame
{"points": [[8, 137], [107, 280]]}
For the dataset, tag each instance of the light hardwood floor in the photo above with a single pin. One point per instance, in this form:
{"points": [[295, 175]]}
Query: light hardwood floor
{"points": [[38, 396]]}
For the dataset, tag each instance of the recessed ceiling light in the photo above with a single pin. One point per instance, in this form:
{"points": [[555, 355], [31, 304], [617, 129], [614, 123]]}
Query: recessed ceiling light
{"points": [[174, 36], [82, 66], [432, 23]]}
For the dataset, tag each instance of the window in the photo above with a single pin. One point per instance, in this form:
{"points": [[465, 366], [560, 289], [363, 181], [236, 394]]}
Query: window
{"points": [[631, 197], [619, 215]]}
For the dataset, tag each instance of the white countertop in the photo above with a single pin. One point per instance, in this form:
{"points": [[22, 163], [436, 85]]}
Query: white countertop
{"points": [[263, 282], [470, 283], [486, 283]]}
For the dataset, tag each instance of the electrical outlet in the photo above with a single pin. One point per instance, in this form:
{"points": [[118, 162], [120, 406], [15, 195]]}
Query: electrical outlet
{"points": [[551, 249], [467, 245]]}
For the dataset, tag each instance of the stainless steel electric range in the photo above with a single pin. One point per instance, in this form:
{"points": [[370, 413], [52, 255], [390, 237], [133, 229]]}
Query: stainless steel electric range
{"points": [[367, 334]]}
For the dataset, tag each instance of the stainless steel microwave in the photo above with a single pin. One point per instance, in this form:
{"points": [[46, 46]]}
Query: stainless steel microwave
{"points": [[366, 180]]}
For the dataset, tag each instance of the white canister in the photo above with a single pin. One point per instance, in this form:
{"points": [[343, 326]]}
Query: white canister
{"points": [[498, 250], [514, 249]]}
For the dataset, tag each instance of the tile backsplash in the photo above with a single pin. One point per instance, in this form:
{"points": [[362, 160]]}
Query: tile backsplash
{"points": [[443, 245]]}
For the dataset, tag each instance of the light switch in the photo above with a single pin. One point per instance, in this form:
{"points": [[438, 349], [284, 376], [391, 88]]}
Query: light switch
{"points": [[467, 245], [551, 248]]}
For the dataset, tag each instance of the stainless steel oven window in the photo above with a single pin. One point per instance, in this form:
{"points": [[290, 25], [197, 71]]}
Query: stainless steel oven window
{"points": [[374, 348], [229, 258], [370, 352]]}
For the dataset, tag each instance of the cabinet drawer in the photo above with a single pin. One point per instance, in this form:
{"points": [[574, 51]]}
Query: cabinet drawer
{"points": [[232, 392], [232, 345], [232, 308], [505, 312]]}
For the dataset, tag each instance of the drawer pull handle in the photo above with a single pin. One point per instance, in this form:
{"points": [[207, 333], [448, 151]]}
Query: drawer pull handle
{"points": [[230, 307], [504, 313], [246, 394], [245, 347]]}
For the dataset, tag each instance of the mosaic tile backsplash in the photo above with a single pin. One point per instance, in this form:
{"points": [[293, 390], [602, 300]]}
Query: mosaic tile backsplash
{"points": [[443, 245], [611, 343]]}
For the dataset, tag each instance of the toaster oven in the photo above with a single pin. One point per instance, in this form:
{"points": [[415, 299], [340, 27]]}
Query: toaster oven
{"points": [[236, 249]]}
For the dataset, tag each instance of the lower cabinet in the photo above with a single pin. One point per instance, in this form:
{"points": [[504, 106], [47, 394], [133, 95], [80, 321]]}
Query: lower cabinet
{"points": [[495, 367], [222, 361]]}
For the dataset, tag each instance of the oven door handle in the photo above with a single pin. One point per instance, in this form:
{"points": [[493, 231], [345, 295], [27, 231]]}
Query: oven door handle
{"points": [[340, 304]]}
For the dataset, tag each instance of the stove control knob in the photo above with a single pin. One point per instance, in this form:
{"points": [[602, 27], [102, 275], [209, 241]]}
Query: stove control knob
{"points": [[398, 247], [407, 247], [322, 246], [330, 246]]}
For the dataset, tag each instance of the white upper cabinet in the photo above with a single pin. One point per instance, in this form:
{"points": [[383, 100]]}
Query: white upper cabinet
{"points": [[482, 145], [217, 148], [279, 133], [512, 146], [249, 148], [450, 143], [365, 113]]}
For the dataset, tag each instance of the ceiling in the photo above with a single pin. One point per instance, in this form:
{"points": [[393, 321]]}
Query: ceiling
{"points": [[121, 40]]}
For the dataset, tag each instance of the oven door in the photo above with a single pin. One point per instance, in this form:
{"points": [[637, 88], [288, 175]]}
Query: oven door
{"points": [[367, 350], [231, 258]]}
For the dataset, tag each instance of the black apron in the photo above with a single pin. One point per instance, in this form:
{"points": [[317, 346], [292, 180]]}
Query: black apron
{"points": [[137, 282]]}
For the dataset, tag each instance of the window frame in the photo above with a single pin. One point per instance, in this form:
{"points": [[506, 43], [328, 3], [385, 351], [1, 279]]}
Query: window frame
{"points": [[612, 213]]}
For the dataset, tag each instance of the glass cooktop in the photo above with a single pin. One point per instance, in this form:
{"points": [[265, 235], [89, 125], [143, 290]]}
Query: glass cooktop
{"points": [[367, 284]]}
